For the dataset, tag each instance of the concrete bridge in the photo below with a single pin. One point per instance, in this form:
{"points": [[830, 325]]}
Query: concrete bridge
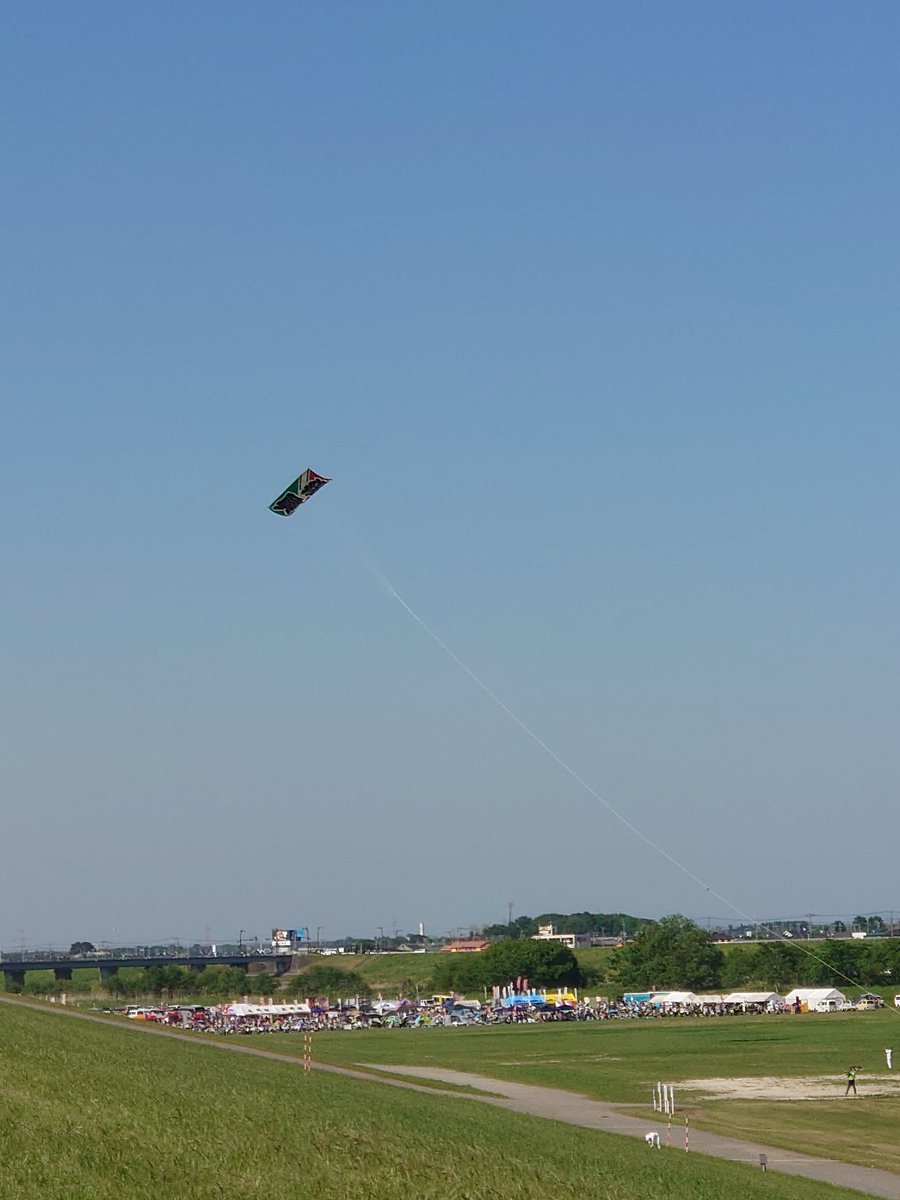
{"points": [[62, 966]]}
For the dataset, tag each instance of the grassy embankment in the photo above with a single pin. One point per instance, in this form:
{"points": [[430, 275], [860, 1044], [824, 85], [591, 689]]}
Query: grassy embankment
{"points": [[94, 1112]]}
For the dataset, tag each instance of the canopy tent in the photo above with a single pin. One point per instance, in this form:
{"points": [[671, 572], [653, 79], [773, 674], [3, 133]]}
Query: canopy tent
{"points": [[813, 996], [771, 999], [817, 999], [265, 1010]]}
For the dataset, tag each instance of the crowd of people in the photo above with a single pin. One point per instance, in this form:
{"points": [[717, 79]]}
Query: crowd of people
{"points": [[442, 1012]]}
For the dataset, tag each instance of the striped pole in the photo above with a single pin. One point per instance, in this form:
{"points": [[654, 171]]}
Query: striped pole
{"points": [[687, 1140], [307, 1051]]}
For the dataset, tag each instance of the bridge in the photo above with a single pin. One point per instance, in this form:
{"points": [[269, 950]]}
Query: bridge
{"points": [[62, 965]]}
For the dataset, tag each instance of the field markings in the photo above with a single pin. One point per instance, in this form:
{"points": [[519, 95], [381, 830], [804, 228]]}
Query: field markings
{"points": [[531, 1099]]}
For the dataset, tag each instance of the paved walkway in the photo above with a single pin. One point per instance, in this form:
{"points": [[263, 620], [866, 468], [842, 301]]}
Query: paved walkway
{"points": [[550, 1103]]}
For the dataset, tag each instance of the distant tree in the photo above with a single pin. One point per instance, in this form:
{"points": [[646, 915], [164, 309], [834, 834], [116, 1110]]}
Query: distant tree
{"points": [[173, 980], [82, 948], [262, 985], [458, 973], [325, 980], [737, 969], [40, 987], [132, 982], [777, 965], [838, 927], [611, 924], [221, 981], [836, 964], [543, 964], [882, 962], [674, 953]]}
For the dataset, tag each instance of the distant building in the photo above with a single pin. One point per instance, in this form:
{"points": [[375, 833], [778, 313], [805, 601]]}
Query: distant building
{"points": [[574, 941], [465, 946]]}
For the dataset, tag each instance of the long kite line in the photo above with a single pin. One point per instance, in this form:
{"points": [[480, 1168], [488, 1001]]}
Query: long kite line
{"points": [[582, 782]]}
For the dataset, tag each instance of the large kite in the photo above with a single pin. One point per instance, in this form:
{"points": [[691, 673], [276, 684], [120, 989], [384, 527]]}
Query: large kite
{"points": [[298, 493]]}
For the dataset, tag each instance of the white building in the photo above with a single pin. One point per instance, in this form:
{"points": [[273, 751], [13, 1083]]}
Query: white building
{"points": [[575, 941]]}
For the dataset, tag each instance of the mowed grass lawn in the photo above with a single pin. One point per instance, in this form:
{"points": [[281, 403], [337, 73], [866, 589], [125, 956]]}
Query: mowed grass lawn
{"points": [[620, 1062], [92, 1111]]}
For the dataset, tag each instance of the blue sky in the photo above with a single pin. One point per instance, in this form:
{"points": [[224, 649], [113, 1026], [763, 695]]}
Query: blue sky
{"points": [[590, 311]]}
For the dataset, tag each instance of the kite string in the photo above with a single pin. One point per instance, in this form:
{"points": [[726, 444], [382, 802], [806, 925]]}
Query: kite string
{"points": [[583, 783], [556, 758]]}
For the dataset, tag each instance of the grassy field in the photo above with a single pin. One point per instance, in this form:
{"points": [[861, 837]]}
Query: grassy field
{"points": [[620, 1061], [96, 1112]]}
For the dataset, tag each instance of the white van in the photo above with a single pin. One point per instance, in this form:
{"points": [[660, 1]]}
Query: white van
{"points": [[829, 1006]]}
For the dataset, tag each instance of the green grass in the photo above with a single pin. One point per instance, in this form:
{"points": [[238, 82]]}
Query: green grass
{"points": [[620, 1061], [98, 1112]]}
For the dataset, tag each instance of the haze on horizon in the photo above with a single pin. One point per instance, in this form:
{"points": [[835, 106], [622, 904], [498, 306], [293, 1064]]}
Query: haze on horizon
{"points": [[590, 315]]}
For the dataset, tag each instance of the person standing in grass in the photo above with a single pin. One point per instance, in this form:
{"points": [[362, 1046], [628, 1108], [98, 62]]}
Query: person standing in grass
{"points": [[889, 1057], [851, 1081]]}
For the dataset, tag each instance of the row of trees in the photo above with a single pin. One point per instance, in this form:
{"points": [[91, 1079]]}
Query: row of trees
{"points": [[671, 953], [676, 953], [608, 924], [543, 964]]}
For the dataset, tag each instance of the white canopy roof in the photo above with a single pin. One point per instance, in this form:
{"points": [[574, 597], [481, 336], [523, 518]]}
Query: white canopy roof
{"points": [[265, 1010], [813, 995], [753, 998]]}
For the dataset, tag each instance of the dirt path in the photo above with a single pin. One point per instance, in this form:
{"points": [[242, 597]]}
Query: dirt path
{"points": [[575, 1109], [550, 1103]]}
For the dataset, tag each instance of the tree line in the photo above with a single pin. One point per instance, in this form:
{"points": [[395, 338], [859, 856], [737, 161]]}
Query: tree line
{"points": [[672, 953], [605, 924]]}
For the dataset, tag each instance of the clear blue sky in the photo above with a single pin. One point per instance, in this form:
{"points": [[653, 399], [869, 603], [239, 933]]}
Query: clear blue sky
{"points": [[591, 313]]}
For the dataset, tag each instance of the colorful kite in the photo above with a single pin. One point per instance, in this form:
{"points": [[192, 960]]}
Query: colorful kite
{"points": [[298, 493]]}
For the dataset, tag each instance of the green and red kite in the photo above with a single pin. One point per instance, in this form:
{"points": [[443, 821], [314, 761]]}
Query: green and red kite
{"points": [[298, 493]]}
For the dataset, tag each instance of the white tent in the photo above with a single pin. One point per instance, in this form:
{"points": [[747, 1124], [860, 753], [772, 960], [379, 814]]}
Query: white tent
{"points": [[818, 999], [770, 999], [265, 1010], [679, 998]]}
